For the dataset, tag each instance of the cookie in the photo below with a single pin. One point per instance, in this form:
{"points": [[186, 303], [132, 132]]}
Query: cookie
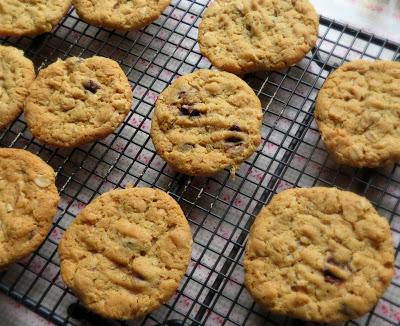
{"points": [[77, 101], [126, 252], [319, 254], [121, 15], [358, 113], [16, 75], [28, 203], [21, 17], [206, 121], [242, 36]]}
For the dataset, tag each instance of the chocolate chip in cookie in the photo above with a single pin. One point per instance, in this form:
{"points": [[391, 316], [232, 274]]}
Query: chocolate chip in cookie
{"points": [[91, 86]]}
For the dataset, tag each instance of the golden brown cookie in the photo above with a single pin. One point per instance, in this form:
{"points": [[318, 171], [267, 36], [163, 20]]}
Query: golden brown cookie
{"points": [[77, 101], [28, 203], [16, 75], [126, 252], [358, 113], [206, 121], [120, 14], [242, 36], [319, 254], [32, 17]]}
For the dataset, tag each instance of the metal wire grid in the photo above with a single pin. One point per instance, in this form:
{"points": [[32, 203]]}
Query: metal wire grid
{"points": [[220, 210]]}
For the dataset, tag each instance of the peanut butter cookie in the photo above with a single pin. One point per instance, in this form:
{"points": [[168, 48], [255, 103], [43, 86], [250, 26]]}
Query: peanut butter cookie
{"points": [[126, 15], [206, 121], [358, 113], [77, 101], [16, 75], [28, 203], [33, 17], [319, 254], [242, 36], [126, 252]]}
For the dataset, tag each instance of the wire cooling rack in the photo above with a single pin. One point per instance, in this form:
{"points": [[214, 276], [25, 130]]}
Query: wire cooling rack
{"points": [[220, 210]]}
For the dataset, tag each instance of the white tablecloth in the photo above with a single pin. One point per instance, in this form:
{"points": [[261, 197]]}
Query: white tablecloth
{"points": [[381, 17]]}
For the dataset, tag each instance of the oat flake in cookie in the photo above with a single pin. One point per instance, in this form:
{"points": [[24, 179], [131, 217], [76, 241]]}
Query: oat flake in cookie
{"points": [[319, 254], [358, 113], [126, 252], [126, 15], [206, 121], [242, 36], [28, 203], [30, 17], [77, 101], [16, 75]]}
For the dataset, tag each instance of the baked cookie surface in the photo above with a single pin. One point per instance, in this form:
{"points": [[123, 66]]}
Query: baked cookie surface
{"points": [[319, 254], [120, 14], [77, 101], [206, 121], [32, 17], [16, 75], [126, 252], [242, 36], [358, 113], [28, 203]]}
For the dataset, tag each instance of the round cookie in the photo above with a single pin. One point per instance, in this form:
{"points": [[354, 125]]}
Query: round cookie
{"points": [[28, 203], [121, 15], [206, 121], [16, 75], [319, 254], [21, 17], [126, 252], [358, 113], [242, 36], [77, 101]]}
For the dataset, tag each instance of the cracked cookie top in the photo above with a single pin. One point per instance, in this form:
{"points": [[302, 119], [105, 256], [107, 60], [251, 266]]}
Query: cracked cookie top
{"points": [[319, 254], [30, 17], [242, 36], [358, 113], [28, 203], [206, 121], [124, 15], [77, 101], [126, 252]]}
